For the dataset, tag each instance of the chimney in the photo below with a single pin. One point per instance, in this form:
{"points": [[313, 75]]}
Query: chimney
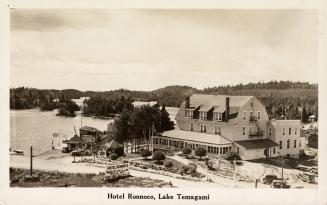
{"points": [[227, 109], [187, 102]]}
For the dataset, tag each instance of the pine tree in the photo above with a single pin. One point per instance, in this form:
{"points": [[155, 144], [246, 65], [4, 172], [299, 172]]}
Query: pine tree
{"points": [[304, 115], [166, 123]]}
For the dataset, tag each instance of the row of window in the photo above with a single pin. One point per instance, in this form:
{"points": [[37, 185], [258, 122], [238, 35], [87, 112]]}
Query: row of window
{"points": [[251, 114], [160, 141], [203, 129], [284, 131], [203, 115], [288, 142], [210, 149], [218, 150]]}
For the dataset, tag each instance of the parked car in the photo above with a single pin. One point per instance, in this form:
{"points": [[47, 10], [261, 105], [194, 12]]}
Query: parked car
{"points": [[280, 184], [268, 178]]}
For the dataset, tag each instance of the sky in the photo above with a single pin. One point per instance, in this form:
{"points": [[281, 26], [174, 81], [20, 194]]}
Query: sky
{"points": [[149, 49]]}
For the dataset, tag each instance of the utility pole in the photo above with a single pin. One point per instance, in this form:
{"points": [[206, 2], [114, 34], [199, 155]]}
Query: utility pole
{"points": [[81, 113], [281, 186], [31, 161]]}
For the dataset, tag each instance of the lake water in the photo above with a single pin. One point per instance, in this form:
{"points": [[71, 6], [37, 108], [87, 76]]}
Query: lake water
{"points": [[36, 128]]}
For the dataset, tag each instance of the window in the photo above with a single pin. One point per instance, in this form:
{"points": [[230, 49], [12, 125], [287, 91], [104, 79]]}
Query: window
{"points": [[191, 126], [251, 103], [283, 131], [251, 113], [218, 116], [217, 130], [288, 144], [189, 113], [280, 144], [250, 129], [259, 114], [203, 128], [289, 131], [270, 130], [203, 115], [243, 130], [294, 143], [295, 132], [244, 114], [300, 143], [274, 150]]}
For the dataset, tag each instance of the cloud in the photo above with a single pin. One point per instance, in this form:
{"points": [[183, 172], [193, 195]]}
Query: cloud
{"points": [[147, 49]]}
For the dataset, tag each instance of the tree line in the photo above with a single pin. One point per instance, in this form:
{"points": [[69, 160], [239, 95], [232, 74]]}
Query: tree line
{"points": [[46, 100], [281, 98]]}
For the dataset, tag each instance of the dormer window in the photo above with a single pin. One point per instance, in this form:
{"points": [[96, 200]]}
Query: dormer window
{"points": [[251, 103], [189, 113], [218, 116], [203, 115]]}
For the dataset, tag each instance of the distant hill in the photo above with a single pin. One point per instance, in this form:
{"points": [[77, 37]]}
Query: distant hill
{"points": [[280, 97]]}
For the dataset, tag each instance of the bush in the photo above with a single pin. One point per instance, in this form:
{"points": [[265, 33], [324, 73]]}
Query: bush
{"points": [[113, 156], [209, 164], [200, 152], [187, 151], [145, 153], [231, 155], [169, 164], [185, 169], [192, 167], [159, 155]]}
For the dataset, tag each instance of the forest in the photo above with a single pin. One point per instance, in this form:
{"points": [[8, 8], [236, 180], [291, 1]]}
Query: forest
{"points": [[282, 98]]}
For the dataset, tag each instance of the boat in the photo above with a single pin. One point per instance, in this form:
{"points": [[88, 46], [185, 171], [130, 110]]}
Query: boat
{"points": [[16, 152]]}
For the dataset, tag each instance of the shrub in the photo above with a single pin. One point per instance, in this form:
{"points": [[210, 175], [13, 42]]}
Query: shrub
{"points": [[113, 156], [145, 153], [231, 155], [187, 151], [169, 164], [192, 167], [209, 164], [185, 169], [159, 155], [200, 152]]}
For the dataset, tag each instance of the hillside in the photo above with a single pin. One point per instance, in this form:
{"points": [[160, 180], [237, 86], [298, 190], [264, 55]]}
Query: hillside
{"points": [[280, 97]]}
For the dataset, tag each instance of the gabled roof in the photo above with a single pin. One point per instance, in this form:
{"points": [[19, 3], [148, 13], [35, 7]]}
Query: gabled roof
{"points": [[114, 145], [90, 129], [74, 140], [258, 143], [206, 102], [205, 107]]}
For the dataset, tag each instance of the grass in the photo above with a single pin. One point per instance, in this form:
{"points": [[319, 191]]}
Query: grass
{"points": [[61, 179]]}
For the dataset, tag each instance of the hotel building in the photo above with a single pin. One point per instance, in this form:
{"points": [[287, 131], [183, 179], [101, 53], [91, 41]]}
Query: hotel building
{"points": [[221, 123]]}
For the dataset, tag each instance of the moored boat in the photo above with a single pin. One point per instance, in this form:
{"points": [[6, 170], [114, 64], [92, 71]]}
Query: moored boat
{"points": [[16, 152]]}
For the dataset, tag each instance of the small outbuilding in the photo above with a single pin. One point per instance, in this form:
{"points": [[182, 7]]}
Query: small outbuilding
{"points": [[114, 147]]}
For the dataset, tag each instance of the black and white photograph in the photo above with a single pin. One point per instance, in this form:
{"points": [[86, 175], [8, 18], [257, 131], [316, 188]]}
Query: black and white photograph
{"points": [[164, 99]]}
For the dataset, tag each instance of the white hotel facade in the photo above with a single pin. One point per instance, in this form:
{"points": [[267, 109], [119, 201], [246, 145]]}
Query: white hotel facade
{"points": [[221, 123]]}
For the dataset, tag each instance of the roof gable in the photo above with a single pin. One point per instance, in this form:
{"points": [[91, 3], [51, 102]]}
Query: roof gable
{"points": [[218, 101]]}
